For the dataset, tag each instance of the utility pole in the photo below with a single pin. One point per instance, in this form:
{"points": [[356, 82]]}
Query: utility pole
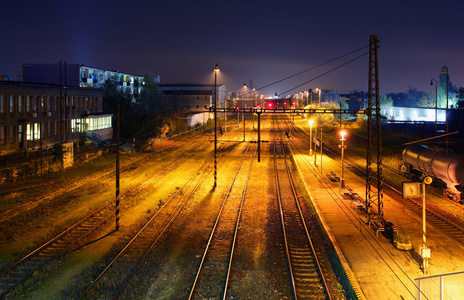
{"points": [[216, 70], [259, 135], [66, 107], [61, 108], [374, 144], [117, 168]]}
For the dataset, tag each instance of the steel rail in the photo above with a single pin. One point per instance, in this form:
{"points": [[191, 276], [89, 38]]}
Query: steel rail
{"points": [[167, 223], [302, 223], [215, 226], [101, 215]]}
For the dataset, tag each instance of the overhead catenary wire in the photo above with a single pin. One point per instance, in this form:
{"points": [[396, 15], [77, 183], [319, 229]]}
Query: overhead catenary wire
{"points": [[310, 69], [325, 73]]}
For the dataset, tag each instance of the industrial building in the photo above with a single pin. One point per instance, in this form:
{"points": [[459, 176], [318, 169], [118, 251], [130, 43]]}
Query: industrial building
{"points": [[32, 117]]}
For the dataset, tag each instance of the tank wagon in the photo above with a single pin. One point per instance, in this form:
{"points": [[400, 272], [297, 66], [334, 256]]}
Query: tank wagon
{"points": [[420, 161]]}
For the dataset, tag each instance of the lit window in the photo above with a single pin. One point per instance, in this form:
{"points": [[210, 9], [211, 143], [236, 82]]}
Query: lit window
{"points": [[28, 132], [36, 131]]}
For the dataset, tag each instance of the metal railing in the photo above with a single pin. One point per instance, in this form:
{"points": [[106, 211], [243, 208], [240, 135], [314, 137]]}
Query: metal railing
{"points": [[443, 286]]}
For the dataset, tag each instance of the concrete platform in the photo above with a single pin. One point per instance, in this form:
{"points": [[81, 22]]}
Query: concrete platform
{"points": [[376, 269]]}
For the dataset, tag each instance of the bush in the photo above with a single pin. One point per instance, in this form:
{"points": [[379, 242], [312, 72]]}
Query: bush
{"points": [[403, 238]]}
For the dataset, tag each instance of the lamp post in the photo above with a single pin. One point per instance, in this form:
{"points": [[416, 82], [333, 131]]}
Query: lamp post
{"points": [[436, 102], [311, 137], [216, 71], [424, 251], [342, 147]]}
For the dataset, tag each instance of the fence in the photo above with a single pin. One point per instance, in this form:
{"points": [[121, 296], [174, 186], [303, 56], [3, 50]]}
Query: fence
{"points": [[443, 286]]}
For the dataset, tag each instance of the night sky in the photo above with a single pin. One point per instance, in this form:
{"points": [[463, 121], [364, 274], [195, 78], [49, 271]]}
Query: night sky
{"points": [[260, 40]]}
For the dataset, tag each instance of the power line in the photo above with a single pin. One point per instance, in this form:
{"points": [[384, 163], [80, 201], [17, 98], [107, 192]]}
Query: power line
{"points": [[309, 69], [323, 74]]}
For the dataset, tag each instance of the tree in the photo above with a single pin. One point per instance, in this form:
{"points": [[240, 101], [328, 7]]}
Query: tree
{"points": [[129, 121], [152, 101], [386, 103], [460, 98], [58, 152]]}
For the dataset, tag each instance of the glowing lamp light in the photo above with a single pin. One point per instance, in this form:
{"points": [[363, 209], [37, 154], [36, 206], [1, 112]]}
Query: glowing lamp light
{"points": [[216, 69], [311, 122], [269, 104], [285, 103], [343, 133], [257, 106], [237, 108]]}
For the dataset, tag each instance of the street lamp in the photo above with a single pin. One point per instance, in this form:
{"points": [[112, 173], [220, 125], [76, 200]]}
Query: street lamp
{"points": [[424, 251], [436, 102], [216, 71], [342, 147], [311, 137]]}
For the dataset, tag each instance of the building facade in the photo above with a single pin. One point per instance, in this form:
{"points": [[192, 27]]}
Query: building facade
{"points": [[32, 116], [194, 97], [77, 75]]}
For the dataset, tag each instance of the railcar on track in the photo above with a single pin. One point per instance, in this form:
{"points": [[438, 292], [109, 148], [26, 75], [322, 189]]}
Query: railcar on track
{"points": [[420, 161]]}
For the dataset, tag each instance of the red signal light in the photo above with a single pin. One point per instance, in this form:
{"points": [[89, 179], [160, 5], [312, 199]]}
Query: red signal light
{"points": [[269, 104], [237, 108], [285, 103]]}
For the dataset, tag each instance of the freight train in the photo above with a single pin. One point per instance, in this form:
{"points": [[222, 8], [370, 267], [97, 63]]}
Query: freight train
{"points": [[420, 161]]}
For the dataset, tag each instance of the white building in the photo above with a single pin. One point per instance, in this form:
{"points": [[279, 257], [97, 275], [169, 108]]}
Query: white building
{"points": [[77, 75]]}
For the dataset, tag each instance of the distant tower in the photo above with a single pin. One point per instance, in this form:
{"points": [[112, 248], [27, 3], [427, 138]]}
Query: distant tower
{"points": [[442, 87]]}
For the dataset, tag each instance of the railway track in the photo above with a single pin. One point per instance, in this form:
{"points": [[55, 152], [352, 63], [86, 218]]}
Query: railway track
{"points": [[93, 181], [117, 273], [23, 269], [307, 277], [212, 276], [71, 238], [112, 280]]}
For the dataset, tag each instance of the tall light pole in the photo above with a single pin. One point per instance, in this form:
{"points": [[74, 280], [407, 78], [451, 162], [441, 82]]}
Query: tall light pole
{"points": [[342, 147], [216, 71], [436, 102], [311, 137], [424, 251]]}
